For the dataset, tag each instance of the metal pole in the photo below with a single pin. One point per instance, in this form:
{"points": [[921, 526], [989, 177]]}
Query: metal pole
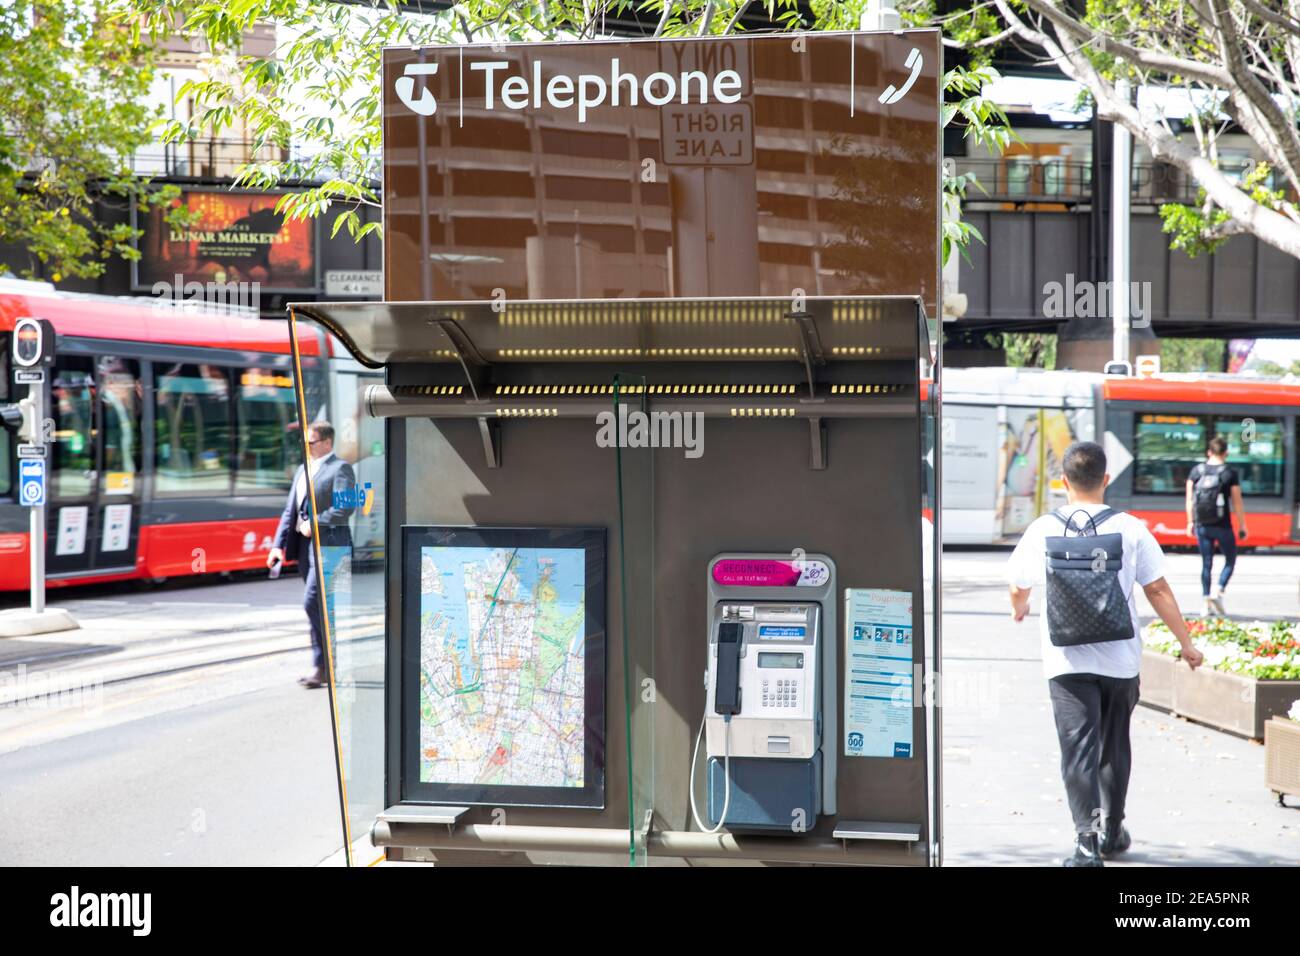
{"points": [[515, 838], [37, 536], [1121, 194], [38, 558]]}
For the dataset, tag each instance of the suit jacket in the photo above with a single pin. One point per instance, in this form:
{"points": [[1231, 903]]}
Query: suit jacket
{"points": [[335, 489]]}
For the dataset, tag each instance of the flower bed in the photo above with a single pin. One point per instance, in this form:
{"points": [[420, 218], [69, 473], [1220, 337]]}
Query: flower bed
{"points": [[1264, 650], [1251, 673]]}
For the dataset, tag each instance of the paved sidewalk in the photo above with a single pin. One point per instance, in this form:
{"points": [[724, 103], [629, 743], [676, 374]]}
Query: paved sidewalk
{"points": [[1197, 795], [168, 627]]}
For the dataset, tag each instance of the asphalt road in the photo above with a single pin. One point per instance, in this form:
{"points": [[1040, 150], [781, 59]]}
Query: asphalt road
{"points": [[207, 763], [220, 764]]}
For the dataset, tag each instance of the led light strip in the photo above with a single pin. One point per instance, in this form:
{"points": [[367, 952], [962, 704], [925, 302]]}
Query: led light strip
{"points": [[730, 352], [866, 389], [428, 389], [576, 391], [528, 412], [695, 389]]}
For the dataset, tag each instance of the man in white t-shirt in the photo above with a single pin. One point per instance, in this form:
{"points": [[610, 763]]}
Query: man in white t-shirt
{"points": [[1094, 687]]}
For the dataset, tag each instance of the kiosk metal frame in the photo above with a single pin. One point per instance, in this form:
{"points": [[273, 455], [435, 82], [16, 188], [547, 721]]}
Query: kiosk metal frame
{"points": [[490, 411]]}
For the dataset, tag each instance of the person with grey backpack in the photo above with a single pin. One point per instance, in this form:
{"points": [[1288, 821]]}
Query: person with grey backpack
{"points": [[1088, 557]]}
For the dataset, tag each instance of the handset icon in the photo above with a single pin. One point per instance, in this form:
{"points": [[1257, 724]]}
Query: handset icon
{"points": [[914, 63], [426, 105]]}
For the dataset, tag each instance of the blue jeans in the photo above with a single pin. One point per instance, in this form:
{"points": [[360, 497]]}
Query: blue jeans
{"points": [[1206, 538]]}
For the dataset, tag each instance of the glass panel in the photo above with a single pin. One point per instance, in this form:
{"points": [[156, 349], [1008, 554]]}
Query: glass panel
{"points": [[72, 401], [120, 392], [352, 555], [1255, 451], [631, 641], [930, 413], [354, 590], [269, 447], [1168, 447], [192, 430]]}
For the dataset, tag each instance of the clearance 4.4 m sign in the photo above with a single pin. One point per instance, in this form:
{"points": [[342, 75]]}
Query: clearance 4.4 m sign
{"points": [[712, 166]]}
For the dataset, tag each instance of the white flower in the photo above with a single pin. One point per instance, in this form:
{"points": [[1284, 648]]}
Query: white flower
{"points": [[1294, 712]]}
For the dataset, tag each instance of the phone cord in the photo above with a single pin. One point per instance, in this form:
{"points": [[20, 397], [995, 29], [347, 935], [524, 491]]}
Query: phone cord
{"points": [[726, 775]]}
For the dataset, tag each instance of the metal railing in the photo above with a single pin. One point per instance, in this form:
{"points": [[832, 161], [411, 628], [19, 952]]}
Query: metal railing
{"points": [[1045, 179], [205, 158]]}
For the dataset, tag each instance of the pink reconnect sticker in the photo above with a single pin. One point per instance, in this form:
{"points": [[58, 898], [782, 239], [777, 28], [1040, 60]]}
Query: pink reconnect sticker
{"points": [[766, 573]]}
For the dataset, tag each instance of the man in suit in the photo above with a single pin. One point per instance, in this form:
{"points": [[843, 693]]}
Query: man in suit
{"points": [[334, 487]]}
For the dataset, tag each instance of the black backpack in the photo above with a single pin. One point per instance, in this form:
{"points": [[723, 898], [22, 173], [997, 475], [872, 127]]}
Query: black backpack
{"points": [[1208, 492], [1085, 603]]}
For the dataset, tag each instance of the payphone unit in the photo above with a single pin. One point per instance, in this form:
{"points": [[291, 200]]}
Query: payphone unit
{"points": [[770, 694]]}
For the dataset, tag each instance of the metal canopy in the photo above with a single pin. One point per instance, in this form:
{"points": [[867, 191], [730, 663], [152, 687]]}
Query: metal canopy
{"points": [[811, 331]]}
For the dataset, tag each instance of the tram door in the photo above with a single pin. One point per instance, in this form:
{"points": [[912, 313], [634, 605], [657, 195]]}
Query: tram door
{"points": [[96, 465]]}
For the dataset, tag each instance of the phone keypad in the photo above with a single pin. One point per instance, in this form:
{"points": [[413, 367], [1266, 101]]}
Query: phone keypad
{"points": [[785, 694]]}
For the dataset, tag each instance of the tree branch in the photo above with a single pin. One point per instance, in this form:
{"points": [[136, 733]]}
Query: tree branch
{"points": [[1258, 113], [663, 18], [735, 17], [1289, 24], [706, 17], [993, 40], [1103, 43], [1269, 226]]}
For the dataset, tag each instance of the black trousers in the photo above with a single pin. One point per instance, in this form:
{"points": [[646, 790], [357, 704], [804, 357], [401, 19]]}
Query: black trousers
{"points": [[311, 603], [1092, 723]]}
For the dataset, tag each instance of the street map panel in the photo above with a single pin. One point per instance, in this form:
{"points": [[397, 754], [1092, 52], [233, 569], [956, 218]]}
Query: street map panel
{"points": [[501, 666]]}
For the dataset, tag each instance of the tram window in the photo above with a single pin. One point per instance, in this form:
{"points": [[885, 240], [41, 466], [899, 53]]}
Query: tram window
{"points": [[119, 393], [269, 445], [1168, 447], [1020, 171], [1255, 451], [72, 393], [6, 453], [6, 435], [192, 434]]}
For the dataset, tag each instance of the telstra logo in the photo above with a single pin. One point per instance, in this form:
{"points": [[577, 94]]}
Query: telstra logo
{"points": [[563, 91]]}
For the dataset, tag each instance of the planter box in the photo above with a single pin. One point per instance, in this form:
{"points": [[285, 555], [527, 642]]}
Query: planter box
{"points": [[1239, 705], [1282, 757], [1158, 679]]}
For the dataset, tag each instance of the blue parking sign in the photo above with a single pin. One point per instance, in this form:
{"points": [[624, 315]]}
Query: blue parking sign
{"points": [[31, 482]]}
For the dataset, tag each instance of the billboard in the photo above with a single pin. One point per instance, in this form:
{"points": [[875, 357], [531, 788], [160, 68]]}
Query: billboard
{"points": [[710, 167], [236, 237]]}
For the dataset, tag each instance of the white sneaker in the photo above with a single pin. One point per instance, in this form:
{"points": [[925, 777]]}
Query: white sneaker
{"points": [[1217, 601], [1210, 610]]}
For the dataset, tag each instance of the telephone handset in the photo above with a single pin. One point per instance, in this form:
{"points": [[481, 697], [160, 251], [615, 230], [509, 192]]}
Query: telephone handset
{"points": [[726, 692]]}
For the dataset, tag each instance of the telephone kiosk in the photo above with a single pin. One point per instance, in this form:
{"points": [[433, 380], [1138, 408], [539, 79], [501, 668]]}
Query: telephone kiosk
{"points": [[769, 721]]}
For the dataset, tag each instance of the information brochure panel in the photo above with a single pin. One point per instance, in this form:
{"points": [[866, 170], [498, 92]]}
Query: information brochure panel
{"points": [[503, 669]]}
